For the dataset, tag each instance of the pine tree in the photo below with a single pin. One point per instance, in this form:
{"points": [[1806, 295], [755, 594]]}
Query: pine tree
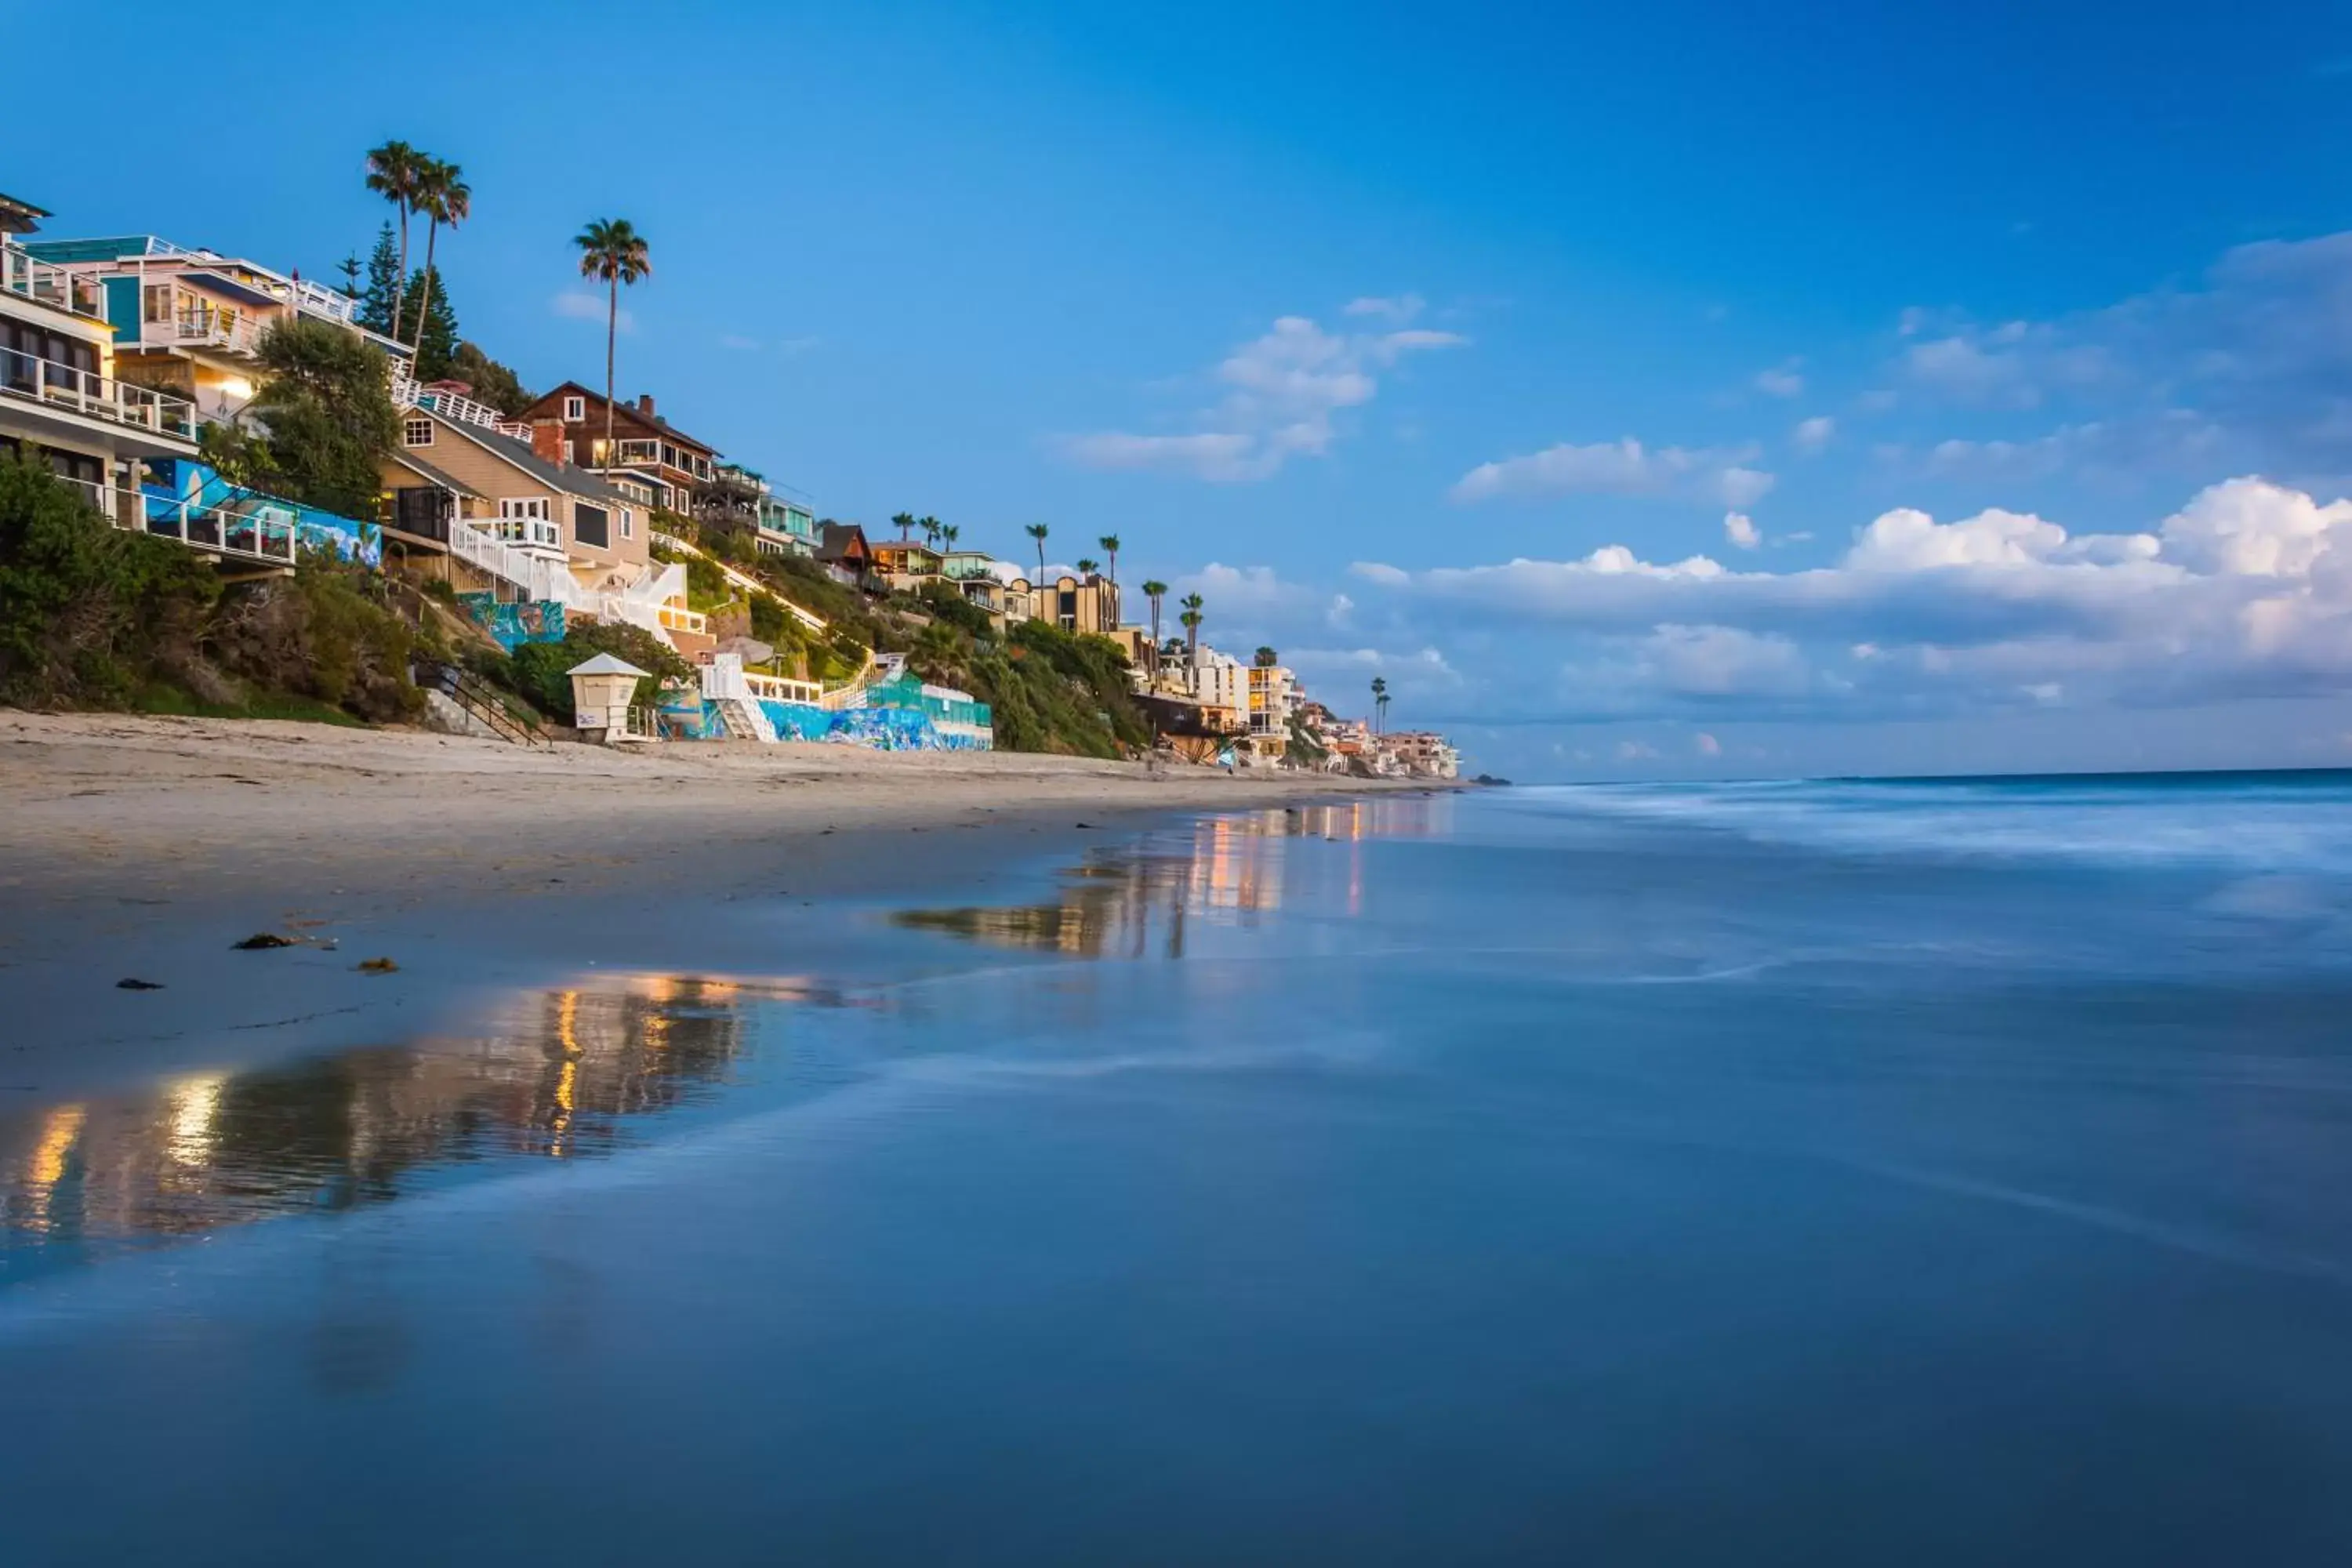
{"points": [[437, 351], [383, 275]]}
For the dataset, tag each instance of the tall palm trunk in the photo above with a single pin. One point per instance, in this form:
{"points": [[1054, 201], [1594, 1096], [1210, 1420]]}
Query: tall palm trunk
{"points": [[612, 326], [400, 283], [424, 305]]}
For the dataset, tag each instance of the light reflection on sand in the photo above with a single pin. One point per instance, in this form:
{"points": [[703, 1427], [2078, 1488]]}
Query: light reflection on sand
{"points": [[1136, 903], [562, 1074]]}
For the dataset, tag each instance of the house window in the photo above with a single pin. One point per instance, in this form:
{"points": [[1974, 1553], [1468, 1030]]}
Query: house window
{"points": [[576, 409], [416, 432], [157, 306], [590, 525], [523, 506], [628, 523]]}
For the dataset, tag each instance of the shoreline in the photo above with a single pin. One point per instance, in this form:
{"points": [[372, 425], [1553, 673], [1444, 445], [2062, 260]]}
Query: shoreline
{"points": [[143, 847]]}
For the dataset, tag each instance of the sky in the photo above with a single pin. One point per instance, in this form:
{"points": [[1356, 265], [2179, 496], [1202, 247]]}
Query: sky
{"points": [[1665, 391]]}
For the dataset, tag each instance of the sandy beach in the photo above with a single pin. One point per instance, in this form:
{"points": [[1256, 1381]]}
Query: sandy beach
{"points": [[140, 849]]}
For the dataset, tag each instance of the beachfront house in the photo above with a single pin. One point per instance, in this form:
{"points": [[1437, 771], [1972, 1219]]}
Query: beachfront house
{"points": [[662, 462], [841, 549], [785, 527], [1272, 691], [497, 506], [904, 565], [60, 399], [189, 322]]}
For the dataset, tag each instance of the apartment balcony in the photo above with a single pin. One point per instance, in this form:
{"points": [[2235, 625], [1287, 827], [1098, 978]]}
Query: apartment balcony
{"points": [[66, 406], [44, 284], [230, 332]]}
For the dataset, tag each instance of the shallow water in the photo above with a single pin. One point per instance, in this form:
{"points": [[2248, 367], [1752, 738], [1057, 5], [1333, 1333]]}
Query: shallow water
{"points": [[1842, 1172]]}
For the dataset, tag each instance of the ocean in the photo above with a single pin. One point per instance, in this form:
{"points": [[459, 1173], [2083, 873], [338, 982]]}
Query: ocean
{"points": [[1847, 1171]]}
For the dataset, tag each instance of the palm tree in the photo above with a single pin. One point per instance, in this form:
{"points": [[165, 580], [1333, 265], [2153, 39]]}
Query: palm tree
{"points": [[1087, 568], [1190, 621], [930, 526], [396, 172], [1037, 531], [444, 197], [904, 522], [613, 252], [1379, 701], [948, 534], [1266, 659], [1109, 542], [1153, 588]]}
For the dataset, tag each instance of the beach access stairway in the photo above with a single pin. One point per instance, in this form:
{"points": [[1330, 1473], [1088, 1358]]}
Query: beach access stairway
{"points": [[746, 581], [479, 700]]}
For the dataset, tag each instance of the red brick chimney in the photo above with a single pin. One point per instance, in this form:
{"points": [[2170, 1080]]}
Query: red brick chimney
{"points": [[547, 440], [645, 403]]}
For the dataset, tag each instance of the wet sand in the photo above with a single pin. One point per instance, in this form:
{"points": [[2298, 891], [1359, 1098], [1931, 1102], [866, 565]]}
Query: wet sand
{"points": [[144, 848]]}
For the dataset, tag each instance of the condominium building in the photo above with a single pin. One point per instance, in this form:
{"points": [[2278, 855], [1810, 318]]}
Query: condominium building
{"points": [[190, 321]]}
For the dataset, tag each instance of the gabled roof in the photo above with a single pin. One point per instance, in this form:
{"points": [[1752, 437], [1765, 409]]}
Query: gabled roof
{"points": [[417, 465], [518, 455], [622, 405], [834, 539]]}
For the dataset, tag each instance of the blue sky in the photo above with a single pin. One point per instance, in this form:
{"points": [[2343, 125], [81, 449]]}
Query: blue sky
{"points": [[2044, 274]]}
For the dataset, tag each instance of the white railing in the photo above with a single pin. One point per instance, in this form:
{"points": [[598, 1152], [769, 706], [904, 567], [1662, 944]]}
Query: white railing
{"points": [[49, 284], [208, 328], [95, 396], [783, 689], [537, 576], [675, 619], [746, 581], [332, 303], [257, 531], [466, 411]]}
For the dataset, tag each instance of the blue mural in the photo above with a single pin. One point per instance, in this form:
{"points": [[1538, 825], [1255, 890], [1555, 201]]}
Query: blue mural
{"points": [[175, 487], [537, 620], [882, 728]]}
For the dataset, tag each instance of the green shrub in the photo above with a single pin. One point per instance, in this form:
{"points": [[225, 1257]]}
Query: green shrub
{"points": [[318, 633], [89, 612], [540, 672]]}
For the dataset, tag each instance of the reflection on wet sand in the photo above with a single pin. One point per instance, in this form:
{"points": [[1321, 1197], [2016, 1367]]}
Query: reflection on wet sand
{"points": [[1136, 903], [560, 1079]]}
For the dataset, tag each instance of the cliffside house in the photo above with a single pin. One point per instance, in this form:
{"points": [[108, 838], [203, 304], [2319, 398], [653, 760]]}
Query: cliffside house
{"points": [[556, 531], [841, 549], [786, 527], [190, 321], [61, 401], [660, 464]]}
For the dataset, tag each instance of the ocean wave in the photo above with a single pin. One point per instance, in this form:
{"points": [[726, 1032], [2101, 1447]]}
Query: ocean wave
{"points": [[2248, 823]]}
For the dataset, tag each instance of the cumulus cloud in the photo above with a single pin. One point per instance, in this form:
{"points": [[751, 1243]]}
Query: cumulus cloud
{"points": [[2251, 367], [2245, 590], [1399, 308], [1812, 435], [1741, 528], [1285, 391], [1625, 468], [1781, 380]]}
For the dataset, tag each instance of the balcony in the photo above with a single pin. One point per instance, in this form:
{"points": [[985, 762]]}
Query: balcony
{"points": [[252, 530], [221, 332], [48, 285], [168, 421]]}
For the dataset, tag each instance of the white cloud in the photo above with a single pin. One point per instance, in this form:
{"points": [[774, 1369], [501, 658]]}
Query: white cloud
{"points": [[1781, 380], [2245, 590], [1624, 466], [1285, 391], [1812, 435], [579, 305], [1400, 308], [1741, 528], [1706, 745]]}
